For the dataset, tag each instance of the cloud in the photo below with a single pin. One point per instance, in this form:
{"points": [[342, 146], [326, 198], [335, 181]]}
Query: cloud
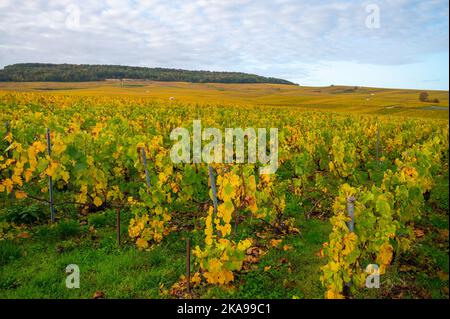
{"points": [[284, 38]]}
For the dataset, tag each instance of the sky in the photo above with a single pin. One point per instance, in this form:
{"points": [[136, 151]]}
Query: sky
{"points": [[379, 43]]}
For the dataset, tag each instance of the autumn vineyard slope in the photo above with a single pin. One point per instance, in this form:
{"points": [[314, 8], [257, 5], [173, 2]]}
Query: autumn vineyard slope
{"points": [[110, 154]]}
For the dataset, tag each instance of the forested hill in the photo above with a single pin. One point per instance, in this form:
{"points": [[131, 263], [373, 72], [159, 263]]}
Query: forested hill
{"points": [[32, 72]]}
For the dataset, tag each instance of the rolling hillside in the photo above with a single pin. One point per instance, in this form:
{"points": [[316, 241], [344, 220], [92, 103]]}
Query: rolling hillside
{"points": [[398, 102]]}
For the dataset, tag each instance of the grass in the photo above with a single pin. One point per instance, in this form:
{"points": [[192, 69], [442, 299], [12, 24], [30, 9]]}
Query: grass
{"points": [[9, 251], [37, 269], [119, 272], [67, 229], [284, 274]]}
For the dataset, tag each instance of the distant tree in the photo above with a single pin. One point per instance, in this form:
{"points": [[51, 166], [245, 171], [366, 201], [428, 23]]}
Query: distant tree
{"points": [[423, 96], [73, 72]]}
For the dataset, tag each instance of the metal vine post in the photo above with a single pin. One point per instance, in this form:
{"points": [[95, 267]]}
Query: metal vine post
{"points": [[144, 160], [212, 180]]}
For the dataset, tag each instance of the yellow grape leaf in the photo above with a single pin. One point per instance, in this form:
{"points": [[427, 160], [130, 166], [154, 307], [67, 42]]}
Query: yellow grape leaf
{"points": [[252, 183], [228, 191], [20, 194], [50, 171], [196, 279], [244, 244], [8, 137], [275, 242], [97, 201], [17, 180], [234, 181], [330, 294], [65, 176], [39, 146], [331, 166], [28, 173], [385, 256], [8, 184], [334, 266], [58, 148], [162, 178], [227, 210]]}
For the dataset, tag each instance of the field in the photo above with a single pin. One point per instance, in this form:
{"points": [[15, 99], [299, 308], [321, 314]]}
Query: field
{"points": [[374, 101], [285, 235]]}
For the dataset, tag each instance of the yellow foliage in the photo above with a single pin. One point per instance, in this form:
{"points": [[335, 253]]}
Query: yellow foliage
{"points": [[20, 194]]}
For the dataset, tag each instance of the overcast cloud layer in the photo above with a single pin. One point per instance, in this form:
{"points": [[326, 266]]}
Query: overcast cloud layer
{"points": [[309, 42]]}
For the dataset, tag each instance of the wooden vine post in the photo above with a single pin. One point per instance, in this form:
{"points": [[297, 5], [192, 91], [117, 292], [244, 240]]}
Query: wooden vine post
{"points": [[188, 264], [378, 145], [8, 154], [50, 180], [351, 228]]}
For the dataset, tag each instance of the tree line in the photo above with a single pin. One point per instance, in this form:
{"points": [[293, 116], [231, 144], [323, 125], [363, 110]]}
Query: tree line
{"points": [[31, 72]]}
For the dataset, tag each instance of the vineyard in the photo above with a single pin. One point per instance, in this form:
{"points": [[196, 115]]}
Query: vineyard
{"points": [[88, 180]]}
